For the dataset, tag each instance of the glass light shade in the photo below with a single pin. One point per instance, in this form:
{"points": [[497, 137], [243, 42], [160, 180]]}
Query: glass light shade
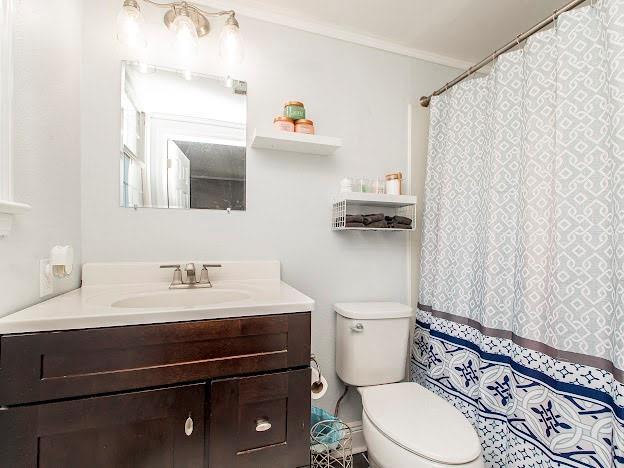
{"points": [[130, 27], [231, 47], [187, 41]]}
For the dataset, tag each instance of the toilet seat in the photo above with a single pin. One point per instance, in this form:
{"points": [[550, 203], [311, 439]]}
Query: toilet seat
{"points": [[421, 422]]}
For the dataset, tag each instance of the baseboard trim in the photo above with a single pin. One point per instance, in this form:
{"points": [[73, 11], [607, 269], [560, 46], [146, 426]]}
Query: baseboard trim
{"points": [[357, 437]]}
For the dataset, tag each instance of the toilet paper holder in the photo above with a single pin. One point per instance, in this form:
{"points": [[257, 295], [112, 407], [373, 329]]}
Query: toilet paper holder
{"points": [[318, 385]]}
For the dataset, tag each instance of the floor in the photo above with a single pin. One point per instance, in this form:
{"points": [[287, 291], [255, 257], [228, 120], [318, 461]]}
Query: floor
{"points": [[359, 461]]}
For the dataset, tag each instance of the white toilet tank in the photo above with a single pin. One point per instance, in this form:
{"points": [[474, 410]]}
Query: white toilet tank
{"points": [[371, 342]]}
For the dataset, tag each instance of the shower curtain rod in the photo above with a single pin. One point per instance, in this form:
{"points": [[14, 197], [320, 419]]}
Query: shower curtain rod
{"points": [[425, 100]]}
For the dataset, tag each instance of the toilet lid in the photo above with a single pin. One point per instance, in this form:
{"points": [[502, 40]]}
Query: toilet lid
{"points": [[422, 422]]}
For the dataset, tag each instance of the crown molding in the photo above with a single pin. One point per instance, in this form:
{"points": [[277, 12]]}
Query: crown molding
{"points": [[255, 10]]}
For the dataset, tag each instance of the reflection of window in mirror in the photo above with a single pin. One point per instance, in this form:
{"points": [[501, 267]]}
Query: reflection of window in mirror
{"points": [[184, 141], [132, 164]]}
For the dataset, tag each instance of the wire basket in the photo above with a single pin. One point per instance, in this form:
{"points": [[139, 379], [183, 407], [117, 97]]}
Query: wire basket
{"points": [[330, 444], [343, 207]]}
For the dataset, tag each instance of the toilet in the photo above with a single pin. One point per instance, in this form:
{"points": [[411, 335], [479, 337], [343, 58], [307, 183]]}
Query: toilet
{"points": [[404, 424]]}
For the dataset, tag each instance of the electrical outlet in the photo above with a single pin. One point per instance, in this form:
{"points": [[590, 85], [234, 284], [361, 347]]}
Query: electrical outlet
{"points": [[46, 286]]}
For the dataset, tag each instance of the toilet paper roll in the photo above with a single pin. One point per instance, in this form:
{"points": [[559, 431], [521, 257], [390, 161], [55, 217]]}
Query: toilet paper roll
{"points": [[318, 390]]}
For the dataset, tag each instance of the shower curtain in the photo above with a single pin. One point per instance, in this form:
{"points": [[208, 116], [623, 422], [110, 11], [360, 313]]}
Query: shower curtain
{"points": [[520, 320]]}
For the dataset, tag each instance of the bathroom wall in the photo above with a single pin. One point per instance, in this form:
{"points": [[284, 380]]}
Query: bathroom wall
{"points": [[46, 146], [350, 91]]}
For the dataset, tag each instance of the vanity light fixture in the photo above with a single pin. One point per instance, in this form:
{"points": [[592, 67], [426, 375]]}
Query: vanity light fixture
{"points": [[130, 25], [188, 23]]}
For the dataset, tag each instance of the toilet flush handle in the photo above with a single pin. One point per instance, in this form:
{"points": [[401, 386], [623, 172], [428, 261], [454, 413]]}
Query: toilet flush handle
{"points": [[358, 328]]}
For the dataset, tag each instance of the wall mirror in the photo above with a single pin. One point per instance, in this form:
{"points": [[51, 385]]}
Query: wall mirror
{"points": [[183, 140]]}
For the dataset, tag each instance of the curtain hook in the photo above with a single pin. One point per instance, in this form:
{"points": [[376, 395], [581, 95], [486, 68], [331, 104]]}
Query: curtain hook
{"points": [[554, 18], [518, 39]]}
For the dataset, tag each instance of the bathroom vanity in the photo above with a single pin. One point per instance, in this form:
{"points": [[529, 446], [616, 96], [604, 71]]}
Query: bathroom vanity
{"points": [[225, 386]]}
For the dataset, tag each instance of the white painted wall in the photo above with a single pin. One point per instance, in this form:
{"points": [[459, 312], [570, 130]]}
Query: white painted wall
{"points": [[419, 140], [350, 91], [46, 146]]}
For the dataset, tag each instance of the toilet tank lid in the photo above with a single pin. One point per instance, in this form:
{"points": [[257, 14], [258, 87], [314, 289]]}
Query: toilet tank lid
{"points": [[372, 310]]}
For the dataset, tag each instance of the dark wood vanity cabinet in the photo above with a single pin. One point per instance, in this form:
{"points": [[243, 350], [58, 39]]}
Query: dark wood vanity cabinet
{"points": [[240, 406], [139, 429], [223, 393]]}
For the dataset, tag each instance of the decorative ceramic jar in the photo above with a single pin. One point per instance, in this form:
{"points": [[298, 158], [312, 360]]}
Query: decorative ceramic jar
{"points": [[284, 124], [393, 183], [304, 126], [294, 110]]}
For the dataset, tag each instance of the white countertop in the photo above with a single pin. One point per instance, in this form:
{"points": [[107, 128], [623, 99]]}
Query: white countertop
{"points": [[94, 305]]}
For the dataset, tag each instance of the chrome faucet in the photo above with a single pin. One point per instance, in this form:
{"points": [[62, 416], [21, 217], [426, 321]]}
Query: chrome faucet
{"points": [[191, 276], [190, 273]]}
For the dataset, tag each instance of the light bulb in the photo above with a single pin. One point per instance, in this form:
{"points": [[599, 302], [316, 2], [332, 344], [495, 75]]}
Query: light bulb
{"points": [[187, 41], [231, 43], [130, 25]]}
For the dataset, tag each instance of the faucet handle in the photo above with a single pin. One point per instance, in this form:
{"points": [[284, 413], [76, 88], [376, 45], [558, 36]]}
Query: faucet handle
{"points": [[203, 277], [177, 274]]}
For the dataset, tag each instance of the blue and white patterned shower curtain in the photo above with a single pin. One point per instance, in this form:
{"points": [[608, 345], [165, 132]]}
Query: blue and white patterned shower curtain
{"points": [[521, 315]]}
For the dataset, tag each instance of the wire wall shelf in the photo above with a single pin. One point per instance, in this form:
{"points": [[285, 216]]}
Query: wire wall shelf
{"points": [[366, 203]]}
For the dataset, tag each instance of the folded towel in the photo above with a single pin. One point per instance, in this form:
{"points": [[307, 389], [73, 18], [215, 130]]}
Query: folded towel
{"points": [[399, 226], [378, 224], [373, 218], [355, 225], [402, 220], [354, 218], [398, 220]]}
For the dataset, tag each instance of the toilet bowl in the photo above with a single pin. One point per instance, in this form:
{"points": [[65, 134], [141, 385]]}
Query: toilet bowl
{"points": [[407, 426]]}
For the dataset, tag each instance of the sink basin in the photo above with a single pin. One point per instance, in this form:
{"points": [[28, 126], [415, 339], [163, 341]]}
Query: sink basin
{"points": [[185, 298]]}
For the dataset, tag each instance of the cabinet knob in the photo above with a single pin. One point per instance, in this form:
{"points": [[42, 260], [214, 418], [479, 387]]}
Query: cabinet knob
{"points": [[188, 426], [262, 425]]}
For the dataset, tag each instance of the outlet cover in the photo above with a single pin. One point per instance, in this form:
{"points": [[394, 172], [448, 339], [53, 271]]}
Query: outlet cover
{"points": [[46, 285]]}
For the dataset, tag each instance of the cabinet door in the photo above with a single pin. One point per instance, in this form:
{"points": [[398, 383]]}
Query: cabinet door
{"points": [[140, 429], [261, 421]]}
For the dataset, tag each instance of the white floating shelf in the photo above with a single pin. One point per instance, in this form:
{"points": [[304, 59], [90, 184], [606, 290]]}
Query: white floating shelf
{"points": [[374, 199], [295, 142]]}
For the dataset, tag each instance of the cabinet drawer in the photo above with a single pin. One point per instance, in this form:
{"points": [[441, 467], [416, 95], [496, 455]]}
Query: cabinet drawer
{"points": [[261, 421], [53, 365], [131, 430]]}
